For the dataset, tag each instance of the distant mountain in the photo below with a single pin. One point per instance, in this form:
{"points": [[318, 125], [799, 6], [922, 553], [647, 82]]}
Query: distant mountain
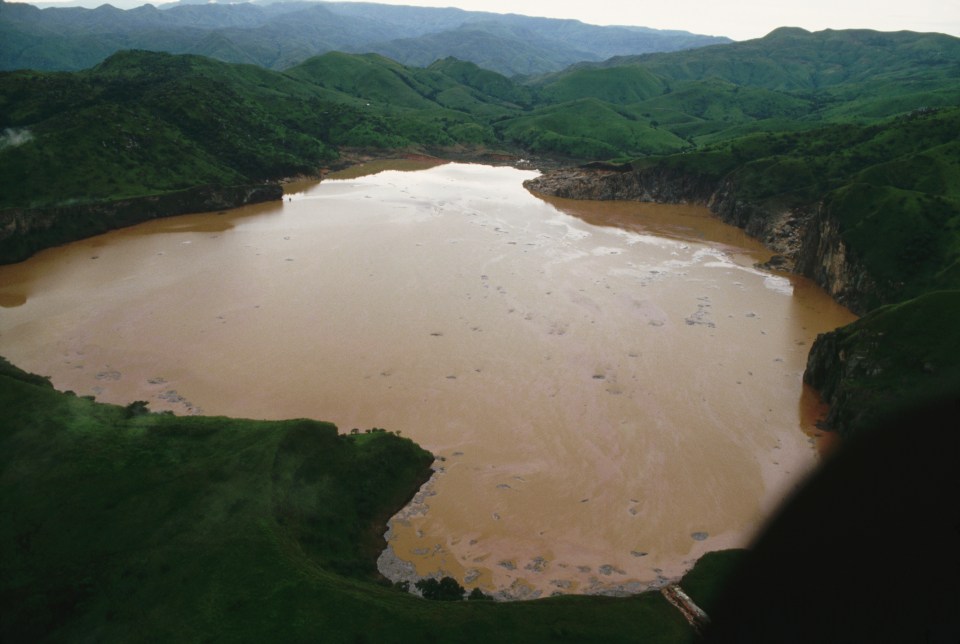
{"points": [[794, 59], [788, 80], [280, 35]]}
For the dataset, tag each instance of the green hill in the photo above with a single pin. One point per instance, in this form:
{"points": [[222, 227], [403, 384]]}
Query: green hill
{"points": [[146, 123], [792, 59], [370, 78], [618, 85], [787, 80], [383, 85], [890, 361], [588, 129], [488, 83]]}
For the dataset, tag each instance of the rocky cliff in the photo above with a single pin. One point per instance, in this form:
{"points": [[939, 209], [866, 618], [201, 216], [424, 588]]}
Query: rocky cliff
{"points": [[896, 357], [24, 231]]}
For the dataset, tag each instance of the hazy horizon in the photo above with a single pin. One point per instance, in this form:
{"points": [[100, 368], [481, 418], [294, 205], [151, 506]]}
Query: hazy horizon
{"points": [[736, 19]]}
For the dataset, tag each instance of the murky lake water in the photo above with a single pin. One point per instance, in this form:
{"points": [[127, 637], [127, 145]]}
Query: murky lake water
{"points": [[613, 387]]}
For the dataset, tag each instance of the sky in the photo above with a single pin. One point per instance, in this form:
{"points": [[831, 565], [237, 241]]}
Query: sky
{"points": [[737, 19]]}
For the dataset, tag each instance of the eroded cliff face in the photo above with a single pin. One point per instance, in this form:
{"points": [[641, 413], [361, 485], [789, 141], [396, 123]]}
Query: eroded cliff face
{"points": [[897, 357], [24, 231], [805, 239], [824, 257], [833, 364]]}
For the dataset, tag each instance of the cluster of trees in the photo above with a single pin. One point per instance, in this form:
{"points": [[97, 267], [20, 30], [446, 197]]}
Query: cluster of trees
{"points": [[444, 589]]}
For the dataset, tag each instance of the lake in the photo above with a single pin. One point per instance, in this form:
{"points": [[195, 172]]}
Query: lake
{"points": [[612, 388]]}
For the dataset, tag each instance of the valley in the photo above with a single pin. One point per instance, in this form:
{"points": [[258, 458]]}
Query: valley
{"points": [[836, 150]]}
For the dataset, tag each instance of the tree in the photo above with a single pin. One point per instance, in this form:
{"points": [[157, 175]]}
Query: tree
{"points": [[137, 408], [447, 589], [478, 595]]}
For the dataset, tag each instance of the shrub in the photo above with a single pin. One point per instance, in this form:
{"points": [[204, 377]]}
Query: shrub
{"points": [[447, 589]]}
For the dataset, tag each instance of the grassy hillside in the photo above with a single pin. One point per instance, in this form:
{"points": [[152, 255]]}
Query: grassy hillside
{"points": [[588, 129], [791, 79], [619, 85], [370, 78], [385, 87], [792, 59], [893, 186], [146, 123], [893, 359], [487, 83], [122, 525]]}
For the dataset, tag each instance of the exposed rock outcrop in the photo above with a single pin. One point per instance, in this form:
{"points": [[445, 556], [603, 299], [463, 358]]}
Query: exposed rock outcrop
{"points": [[824, 257], [24, 231], [833, 367], [896, 357]]}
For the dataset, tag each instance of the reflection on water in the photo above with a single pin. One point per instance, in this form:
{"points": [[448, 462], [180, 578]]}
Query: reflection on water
{"points": [[613, 388]]}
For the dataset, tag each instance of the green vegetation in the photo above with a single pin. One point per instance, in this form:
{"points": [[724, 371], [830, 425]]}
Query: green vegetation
{"points": [[446, 589], [847, 62], [894, 359], [789, 80], [713, 572], [120, 524], [144, 123], [618, 85], [893, 187], [127, 526], [587, 129]]}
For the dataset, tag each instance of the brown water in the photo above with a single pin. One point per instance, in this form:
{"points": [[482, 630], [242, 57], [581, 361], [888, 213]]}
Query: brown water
{"points": [[613, 387]]}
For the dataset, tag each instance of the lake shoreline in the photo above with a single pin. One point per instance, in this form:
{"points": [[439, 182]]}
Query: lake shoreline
{"points": [[522, 277], [25, 231]]}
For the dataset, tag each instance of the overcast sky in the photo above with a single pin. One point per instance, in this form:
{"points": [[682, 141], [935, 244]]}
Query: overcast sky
{"points": [[737, 19]]}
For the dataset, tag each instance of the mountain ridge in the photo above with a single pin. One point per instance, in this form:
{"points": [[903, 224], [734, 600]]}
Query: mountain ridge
{"points": [[283, 34]]}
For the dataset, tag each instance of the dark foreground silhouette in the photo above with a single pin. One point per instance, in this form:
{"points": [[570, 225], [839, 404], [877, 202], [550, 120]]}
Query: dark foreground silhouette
{"points": [[866, 551]]}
